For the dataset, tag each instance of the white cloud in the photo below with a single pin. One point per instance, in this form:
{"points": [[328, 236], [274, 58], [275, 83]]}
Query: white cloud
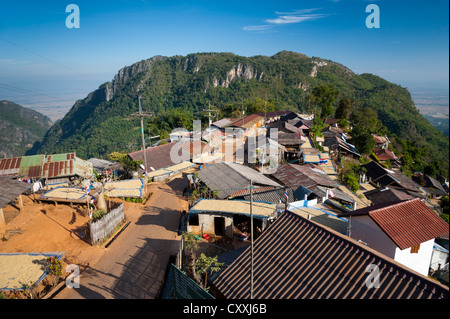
{"points": [[296, 16], [257, 27]]}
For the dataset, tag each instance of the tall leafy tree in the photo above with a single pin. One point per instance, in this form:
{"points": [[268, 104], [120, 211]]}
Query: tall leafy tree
{"points": [[343, 108], [323, 96]]}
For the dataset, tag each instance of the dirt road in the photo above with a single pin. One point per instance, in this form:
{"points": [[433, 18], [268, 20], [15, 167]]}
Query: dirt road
{"points": [[134, 265]]}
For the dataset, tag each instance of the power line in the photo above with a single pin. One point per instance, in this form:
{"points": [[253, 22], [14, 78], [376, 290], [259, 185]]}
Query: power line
{"points": [[10, 87], [45, 58]]}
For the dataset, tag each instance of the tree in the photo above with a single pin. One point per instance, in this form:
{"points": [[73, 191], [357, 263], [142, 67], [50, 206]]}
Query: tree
{"points": [[363, 140], [192, 246], [366, 117], [205, 263], [343, 109], [317, 128], [323, 96]]}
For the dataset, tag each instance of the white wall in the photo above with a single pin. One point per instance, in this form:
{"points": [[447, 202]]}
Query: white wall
{"points": [[365, 229], [419, 262]]}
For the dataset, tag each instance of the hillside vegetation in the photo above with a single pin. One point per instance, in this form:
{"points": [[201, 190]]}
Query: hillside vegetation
{"points": [[20, 127], [179, 88]]}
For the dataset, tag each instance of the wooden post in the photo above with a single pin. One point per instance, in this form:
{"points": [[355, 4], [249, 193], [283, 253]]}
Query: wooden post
{"points": [[2, 223], [20, 203]]}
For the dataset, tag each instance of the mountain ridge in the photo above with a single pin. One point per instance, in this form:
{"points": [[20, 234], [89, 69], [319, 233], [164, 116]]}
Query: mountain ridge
{"points": [[190, 82], [20, 127]]}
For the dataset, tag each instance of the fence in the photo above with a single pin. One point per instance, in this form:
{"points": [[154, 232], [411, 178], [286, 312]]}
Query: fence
{"points": [[105, 226]]}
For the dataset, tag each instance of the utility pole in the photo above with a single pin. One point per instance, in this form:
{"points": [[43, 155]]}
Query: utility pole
{"points": [[209, 120], [265, 111], [251, 238], [142, 135], [142, 114]]}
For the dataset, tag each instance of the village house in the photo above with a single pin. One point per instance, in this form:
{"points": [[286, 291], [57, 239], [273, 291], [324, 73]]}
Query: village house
{"points": [[386, 195], [404, 231], [224, 217], [383, 177], [297, 258], [248, 123], [338, 145], [227, 178], [221, 124], [293, 175], [331, 122], [381, 142], [433, 187], [387, 156], [273, 116], [51, 169]]}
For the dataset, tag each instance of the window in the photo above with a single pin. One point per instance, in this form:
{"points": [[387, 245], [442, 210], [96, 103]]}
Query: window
{"points": [[415, 249], [193, 219]]}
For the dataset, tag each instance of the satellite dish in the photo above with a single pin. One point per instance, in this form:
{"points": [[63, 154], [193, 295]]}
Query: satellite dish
{"points": [[142, 166]]}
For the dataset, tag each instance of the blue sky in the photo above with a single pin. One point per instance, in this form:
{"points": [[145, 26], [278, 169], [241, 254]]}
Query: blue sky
{"points": [[39, 54]]}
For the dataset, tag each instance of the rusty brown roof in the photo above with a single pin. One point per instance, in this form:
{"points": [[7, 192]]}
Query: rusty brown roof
{"points": [[407, 223], [46, 166], [303, 175], [296, 258], [157, 156]]}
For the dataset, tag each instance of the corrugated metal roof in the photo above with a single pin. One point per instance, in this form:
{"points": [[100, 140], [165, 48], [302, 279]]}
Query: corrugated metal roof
{"points": [[10, 189], [248, 121], [223, 122], [42, 166], [227, 178], [302, 175], [273, 196], [386, 177], [242, 207], [385, 195], [296, 258], [157, 157], [407, 223]]}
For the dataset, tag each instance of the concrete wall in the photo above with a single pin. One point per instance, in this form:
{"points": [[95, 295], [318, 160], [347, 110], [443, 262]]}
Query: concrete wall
{"points": [[419, 261], [206, 224]]}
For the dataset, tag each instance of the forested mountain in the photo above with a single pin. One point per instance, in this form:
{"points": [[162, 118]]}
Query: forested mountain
{"points": [[177, 89], [20, 128]]}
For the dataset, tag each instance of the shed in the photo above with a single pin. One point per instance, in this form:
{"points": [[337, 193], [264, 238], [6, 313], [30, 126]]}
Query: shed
{"points": [[10, 189], [219, 217]]}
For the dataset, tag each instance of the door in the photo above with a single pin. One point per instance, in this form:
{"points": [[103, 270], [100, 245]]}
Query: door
{"points": [[219, 226]]}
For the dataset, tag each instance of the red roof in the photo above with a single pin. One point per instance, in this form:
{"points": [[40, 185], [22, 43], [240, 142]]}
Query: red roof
{"points": [[249, 120], [384, 155], [407, 223]]}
